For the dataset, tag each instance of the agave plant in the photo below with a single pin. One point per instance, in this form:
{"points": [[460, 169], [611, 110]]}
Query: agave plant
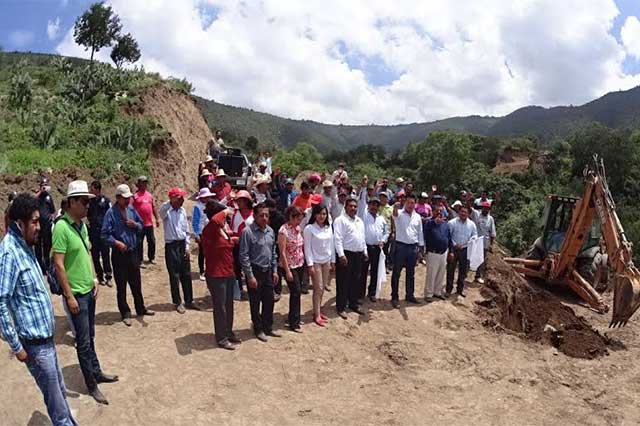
{"points": [[21, 95], [43, 131]]}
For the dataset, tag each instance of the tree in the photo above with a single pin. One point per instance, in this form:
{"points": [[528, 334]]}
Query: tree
{"points": [[126, 50], [252, 143], [303, 157], [98, 27]]}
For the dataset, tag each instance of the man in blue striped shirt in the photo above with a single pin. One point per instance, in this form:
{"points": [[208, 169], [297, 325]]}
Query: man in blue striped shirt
{"points": [[26, 312]]}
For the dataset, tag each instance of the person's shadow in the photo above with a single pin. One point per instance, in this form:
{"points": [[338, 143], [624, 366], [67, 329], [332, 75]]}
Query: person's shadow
{"points": [[38, 419], [74, 381]]}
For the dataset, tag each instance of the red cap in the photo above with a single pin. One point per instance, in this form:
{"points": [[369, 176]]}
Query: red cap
{"points": [[400, 193], [243, 194], [314, 177], [316, 199], [485, 204], [176, 192]]}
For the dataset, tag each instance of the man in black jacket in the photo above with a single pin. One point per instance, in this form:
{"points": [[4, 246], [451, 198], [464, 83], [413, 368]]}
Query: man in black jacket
{"points": [[98, 207], [47, 209]]}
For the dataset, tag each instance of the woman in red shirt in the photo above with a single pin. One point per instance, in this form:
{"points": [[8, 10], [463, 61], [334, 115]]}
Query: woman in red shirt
{"points": [[218, 242], [291, 246]]}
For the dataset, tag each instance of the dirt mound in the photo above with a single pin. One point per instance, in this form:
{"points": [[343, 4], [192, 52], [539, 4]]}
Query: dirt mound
{"points": [[174, 159], [513, 304], [512, 161]]}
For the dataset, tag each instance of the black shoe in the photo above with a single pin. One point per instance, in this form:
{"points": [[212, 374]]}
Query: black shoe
{"points": [[358, 310], [152, 261], [373, 299], [304, 290], [272, 333], [147, 312], [127, 321], [439, 296], [395, 304], [296, 329], [461, 294], [234, 339], [428, 299], [413, 300], [192, 306], [107, 378], [244, 295], [447, 294], [227, 345], [98, 396], [276, 297], [262, 337], [342, 314]]}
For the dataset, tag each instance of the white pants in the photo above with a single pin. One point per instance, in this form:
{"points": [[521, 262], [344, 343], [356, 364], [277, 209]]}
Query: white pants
{"points": [[436, 274]]}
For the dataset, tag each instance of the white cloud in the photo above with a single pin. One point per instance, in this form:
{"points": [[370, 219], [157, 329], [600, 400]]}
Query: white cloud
{"points": [[20, 38], [630, 35], [53, 28], [450, 58]]}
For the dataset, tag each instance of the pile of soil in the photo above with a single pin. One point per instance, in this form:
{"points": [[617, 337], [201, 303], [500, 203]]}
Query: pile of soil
{"points": [[513, 304]]}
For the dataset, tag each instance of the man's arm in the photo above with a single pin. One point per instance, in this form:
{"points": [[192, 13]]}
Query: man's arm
{"points": [[106, 233], [184, 223], [8, 278], [338, 237], [61, 273], [195, 221], [245, 261], [164, 210], [420, 235], [274, 256], [385, 231], [155, 212]]}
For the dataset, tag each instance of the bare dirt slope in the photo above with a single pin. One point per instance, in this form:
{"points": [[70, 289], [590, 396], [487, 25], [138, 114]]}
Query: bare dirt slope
{"points": [[435, 364], [174, 160]]}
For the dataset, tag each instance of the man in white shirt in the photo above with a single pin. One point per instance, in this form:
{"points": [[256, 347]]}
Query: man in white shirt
{"points": [[340, 176], [376, 234], [408, 249], [338, 208], [462, 230], [329, 195], [352, 251], [486, 227]]}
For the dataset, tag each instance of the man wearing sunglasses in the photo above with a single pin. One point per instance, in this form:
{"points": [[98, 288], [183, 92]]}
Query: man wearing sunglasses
{"points": [[75, 274]]}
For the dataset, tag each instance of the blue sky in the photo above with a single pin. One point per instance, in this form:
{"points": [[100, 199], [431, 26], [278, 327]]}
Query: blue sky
{"points": [[358, 68]]}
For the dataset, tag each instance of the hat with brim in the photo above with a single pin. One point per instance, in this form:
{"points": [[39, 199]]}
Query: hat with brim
{"points": [[316, 199], [456, 204], [176, 192], [485, 204], [374, 200], [243, 194], [205, 172], [79, 188], [424, 195], [208, 159], [123, 191], [220, 173], [327, 184], [205, 193], [399, 180], [262, 181], [289, 182], [383, 194], [143, 179]]}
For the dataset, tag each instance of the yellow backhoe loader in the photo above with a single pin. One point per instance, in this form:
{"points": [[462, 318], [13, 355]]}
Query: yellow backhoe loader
{"points": [[583, 243]]}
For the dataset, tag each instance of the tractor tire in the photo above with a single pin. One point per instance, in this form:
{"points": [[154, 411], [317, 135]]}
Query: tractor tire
{"points": [[587, 267]]}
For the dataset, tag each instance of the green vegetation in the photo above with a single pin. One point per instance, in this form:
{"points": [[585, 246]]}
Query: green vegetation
{"points": [[97, 28], [59, 112]]}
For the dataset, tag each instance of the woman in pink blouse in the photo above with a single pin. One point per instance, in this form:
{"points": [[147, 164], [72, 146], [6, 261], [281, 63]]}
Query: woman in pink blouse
{"points": [[291, 246]]}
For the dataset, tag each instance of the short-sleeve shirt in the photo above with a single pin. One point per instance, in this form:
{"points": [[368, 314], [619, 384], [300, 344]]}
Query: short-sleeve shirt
{"points": [[294, 250], [143, 203], [77, 260]]}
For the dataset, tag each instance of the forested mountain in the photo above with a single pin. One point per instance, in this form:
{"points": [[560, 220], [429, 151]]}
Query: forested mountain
{"points": [[617, 110]]}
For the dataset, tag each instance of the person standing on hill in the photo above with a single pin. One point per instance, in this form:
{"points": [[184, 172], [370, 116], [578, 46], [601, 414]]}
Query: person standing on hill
{"points": [[121, 229], [376, 234], [462, 230], [221, 187], [47, 213], [329, 195], [74, 271], [242, 216], [145, 206], [487, 231], [340, 176], [285, 189], [259, 264], [198, 222], [26, 312], [176, 249], [218, 243], [351, 249], [291, 255], [303, 200], [437, 238], [98, 208]]}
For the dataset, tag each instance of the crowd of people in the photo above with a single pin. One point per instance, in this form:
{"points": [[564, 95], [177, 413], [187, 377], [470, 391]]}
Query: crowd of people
{"points": [[249, 241]]}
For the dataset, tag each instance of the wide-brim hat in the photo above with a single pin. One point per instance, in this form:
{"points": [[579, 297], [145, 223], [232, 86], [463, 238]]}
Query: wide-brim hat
{"points": [[208, 158], [262, 180], [79, 188], [205, 172], [143, 179], [124, 191], [327, 184], [205, 193], [220, 173]]}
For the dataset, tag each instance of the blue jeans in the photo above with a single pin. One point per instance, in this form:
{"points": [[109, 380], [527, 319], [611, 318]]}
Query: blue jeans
{"points": [[43, 365], [405, 256], [84, 323]]}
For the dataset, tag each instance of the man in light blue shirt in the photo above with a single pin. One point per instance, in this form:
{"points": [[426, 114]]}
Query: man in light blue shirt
{"points": [[176, 239], [462, 230]]}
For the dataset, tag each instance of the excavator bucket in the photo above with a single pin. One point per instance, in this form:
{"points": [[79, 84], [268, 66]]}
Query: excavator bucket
{"points": [[626, 297]]}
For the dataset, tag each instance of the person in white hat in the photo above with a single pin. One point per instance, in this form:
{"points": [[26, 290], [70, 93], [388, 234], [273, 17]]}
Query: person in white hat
{"points": [[75, 274], [198, 222], [329, 195], [204, 181], [121, 230], [221, 187], [261, 190]]}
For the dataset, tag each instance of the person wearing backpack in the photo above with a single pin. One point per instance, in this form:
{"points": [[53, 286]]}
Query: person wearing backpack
{"points": [[74, 273], [26, 312]]}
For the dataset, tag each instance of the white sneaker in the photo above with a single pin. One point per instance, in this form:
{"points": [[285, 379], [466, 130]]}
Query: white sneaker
{"points": [[202, 278]]}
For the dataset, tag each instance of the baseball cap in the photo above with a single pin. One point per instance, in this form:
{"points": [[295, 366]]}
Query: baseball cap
{"points": [[176, 192], [316, 199], [143, 179], [123, 191]]}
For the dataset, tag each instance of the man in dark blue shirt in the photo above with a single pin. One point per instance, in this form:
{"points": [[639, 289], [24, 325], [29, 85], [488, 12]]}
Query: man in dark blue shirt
{"points": [[437, 238], [121, 229], [47, 209], [98, 208]]}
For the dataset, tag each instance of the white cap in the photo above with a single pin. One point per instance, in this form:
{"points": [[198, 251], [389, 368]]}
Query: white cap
{"points": [[124, 191], [79, 188]]}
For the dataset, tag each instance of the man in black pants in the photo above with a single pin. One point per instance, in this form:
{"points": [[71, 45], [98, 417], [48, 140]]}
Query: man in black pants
{"points": [[98, 208], [121, 229], [462, 230], [376, 234], [47, 209], [352, 252], [259, 262], [176, 249]]}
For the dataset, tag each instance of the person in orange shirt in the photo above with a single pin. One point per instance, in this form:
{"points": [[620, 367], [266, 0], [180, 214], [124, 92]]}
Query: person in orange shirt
{"points": [[303, 200]]}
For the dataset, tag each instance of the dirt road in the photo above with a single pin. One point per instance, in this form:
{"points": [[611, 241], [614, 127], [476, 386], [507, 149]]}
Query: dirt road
{"points": [[432, 364]]}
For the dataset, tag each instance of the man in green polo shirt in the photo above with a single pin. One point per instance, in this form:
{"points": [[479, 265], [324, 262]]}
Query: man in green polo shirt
{"points": [[74, 271]]}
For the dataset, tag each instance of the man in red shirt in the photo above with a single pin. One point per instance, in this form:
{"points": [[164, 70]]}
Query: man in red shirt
{"points": [[303, 200], [218, 243], [143, 202], [221, 187]]}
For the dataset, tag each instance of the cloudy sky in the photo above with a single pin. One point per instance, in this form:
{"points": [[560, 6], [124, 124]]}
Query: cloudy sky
{"points": [[366, 61]]}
